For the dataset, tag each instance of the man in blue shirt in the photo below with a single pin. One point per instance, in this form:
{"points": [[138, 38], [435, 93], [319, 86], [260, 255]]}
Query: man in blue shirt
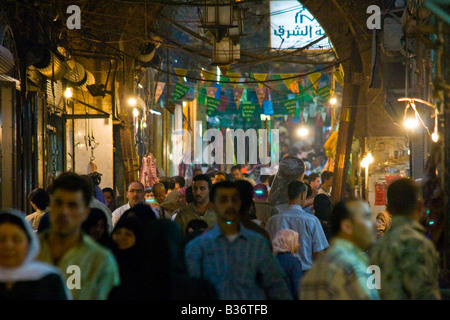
{"points": [[312, 238], [237, 261]]}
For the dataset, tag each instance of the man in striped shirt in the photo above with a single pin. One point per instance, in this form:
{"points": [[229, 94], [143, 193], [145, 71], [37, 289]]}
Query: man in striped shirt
{"points": [[237, 261]]}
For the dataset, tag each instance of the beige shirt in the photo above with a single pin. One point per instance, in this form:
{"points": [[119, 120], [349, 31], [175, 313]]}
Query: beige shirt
{"points": [[35, 218], [189, 213]]}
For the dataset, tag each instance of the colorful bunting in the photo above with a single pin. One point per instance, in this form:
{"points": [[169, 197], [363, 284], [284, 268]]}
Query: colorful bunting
{"points": [[260, 77], [237, 93], [234, 78], [247, 110], [287, 79], [211, 105], [260, 93], [224, 69], [181, 73], [207, 76], [159, 90], [291, 106], [314, 78], [180, 91], [211, 92]]}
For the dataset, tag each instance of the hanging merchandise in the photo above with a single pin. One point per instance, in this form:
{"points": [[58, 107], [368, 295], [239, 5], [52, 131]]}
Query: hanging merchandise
{"points": [[148, 173]]}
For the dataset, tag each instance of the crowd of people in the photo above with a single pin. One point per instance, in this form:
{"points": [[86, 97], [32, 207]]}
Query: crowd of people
{"points": [[225, 235]]}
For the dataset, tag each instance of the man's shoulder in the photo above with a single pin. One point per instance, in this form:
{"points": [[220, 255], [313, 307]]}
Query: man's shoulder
{"points": [[122, 208]]}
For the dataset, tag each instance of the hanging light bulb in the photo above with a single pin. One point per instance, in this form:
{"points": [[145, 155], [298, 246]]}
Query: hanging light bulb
{"points": [[333, 100], [435, 136], [136, 112], [369, 158], [68, 93], [411, 123]]}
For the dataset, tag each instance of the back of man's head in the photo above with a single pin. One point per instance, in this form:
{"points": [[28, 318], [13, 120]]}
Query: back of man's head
{"points": [[326, 175], [403, 196], [71, 181], [295, 189], [203, 177]]}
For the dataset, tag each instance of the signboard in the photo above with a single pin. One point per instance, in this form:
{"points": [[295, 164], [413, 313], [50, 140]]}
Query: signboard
{"points": [[293, 27]]}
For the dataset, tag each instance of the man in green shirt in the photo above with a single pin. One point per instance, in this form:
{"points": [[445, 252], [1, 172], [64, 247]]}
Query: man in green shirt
{"points": [[91, 270], [201, 208], [342, 272]]}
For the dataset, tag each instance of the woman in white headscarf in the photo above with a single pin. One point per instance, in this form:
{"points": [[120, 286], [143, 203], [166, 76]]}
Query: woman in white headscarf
{"points": [[285, 245], [21, 276]]}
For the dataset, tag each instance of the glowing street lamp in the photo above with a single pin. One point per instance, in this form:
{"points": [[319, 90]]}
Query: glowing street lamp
{"points": [[303, 132], [136, 112], [132, 102]]}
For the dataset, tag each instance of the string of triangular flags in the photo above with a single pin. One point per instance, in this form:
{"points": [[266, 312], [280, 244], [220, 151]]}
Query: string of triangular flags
{"points": [[209, 94]]}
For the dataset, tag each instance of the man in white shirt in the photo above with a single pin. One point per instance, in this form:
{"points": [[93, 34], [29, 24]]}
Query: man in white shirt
{"points": [[135, 195], [312, 239]]}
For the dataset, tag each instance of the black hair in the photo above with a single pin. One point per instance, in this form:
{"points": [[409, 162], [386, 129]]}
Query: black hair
{"points": [[312, 177], [160, 184], [222, 184], [111, 191], [326, 175], [189, 195], [180, 180], [309, 190], [295, 189], [403, 197], [7, 217], [71, 181], [246, 190], [340, 212], [40, 198], [203, 177], [168, 183], [143, 212], [235, 168], [94, 216], [196, 224]]}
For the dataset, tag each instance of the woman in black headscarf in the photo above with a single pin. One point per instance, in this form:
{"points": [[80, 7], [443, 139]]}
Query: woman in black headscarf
{"points": [[165, 275], [126, 245], [21, 276], [96, 226]]}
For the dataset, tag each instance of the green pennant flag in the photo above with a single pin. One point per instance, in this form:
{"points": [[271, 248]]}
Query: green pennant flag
{"points": [[211, 105], [180, 91], [324, 92], [247, 110], [202, 94], [291, 106]]}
